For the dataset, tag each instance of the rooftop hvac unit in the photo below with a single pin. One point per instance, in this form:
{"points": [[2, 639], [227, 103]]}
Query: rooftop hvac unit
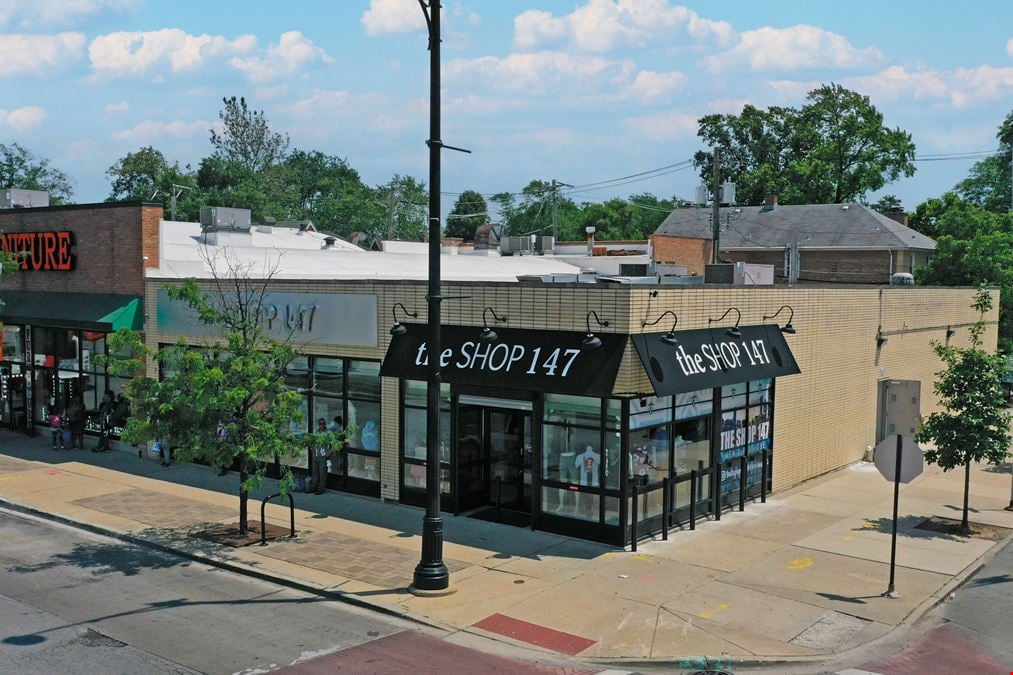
{"points": [[16, 198], [220, 217], [517, 245]]}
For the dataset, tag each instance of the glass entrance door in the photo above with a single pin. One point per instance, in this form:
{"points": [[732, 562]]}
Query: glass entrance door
{"points": [[493, 458], [509, 443]]}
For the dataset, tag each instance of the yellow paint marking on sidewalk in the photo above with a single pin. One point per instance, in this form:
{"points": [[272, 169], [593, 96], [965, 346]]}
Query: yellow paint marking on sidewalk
{"points": [[12, 476], [640, 557], [708, 614], [800, 564]]}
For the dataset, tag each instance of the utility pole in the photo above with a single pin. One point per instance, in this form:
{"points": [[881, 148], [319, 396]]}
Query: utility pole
{"points": [[390, 213], [554, 189], [431, 575], [716, 206], [177, 190]]}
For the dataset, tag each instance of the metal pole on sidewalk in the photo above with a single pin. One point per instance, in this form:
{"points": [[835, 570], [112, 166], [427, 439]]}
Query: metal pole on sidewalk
{"points": [[431, 573], [890, 592]]}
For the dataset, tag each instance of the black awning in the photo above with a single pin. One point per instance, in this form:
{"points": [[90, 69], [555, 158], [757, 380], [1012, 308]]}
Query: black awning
{"points": [[105, 312], [709, 357], [532, 360]]}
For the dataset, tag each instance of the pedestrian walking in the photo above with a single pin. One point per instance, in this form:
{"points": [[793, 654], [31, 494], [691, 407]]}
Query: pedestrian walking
{"points": [[105, 417], [75, 420], [321, 453]]}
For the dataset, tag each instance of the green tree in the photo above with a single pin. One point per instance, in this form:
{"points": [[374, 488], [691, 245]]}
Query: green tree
{"points": [[974, 426], [147, 174], [886, 203], [973, 247], [226, 403], [988, 184], [469, 213], [246, 137], [20, 168], [404, 209], [833, 149]]}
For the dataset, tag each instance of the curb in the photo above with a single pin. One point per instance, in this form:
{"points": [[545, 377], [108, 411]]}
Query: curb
{"points": [[223, 564]]}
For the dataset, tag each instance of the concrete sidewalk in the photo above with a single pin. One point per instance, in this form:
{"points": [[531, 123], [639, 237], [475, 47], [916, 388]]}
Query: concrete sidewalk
{"points": [[797, 577]]}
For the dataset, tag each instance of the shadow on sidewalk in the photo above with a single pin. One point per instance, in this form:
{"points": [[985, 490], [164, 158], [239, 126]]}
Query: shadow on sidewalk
{"points": [[907, 526], [403, 521]]}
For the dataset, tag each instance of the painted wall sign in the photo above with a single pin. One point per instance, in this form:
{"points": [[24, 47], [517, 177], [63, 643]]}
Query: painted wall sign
{"points": [[534, 360], [49, 251], [710, 358], [346, 319]]}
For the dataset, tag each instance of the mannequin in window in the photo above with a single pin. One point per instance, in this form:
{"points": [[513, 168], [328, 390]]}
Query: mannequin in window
{"points": [[587, 465]]}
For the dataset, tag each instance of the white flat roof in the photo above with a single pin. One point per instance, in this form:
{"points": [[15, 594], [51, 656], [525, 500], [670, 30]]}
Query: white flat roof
{"points": [[294, 255]]}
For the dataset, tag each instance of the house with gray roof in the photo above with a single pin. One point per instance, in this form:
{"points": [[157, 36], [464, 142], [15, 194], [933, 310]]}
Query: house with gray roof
{"points": [[849, 243]]}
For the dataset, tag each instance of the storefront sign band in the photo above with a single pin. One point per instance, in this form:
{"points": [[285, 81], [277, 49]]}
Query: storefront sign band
{"points": [[532, 360], [707, 358]]}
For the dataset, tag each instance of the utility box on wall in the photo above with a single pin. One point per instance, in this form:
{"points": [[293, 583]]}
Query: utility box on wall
{"points": [[899, 410]]}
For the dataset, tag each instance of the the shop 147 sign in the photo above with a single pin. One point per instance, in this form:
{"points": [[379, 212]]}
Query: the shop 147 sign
{"points": [[50, 251], [532, 360], [711, 358]]}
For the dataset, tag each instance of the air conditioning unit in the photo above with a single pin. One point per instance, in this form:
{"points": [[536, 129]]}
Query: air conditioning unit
{"points": [[16, 198], [221, 217]]}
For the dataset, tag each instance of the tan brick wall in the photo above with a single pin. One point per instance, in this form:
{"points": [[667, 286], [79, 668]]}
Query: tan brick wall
{"points": [[824, 417], [693, 253]]}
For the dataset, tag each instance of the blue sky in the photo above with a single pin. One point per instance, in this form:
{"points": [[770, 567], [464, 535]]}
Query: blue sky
{"points": [[579, 91]]}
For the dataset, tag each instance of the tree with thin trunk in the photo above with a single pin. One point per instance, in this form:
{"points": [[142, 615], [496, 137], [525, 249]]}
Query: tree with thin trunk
{"points": [[974, 424], [225, 402]]}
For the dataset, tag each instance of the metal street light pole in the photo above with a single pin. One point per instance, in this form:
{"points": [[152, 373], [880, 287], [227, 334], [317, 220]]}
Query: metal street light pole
{"points": [[431, 573]]}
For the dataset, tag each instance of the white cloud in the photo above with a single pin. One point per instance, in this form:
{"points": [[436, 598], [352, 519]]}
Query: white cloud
{"points": [[649, 85], [665, 126], [22, 54], [150, 131], [603, 25], [141, 52], [292, 51], [22, 119], [540, 72], [959, 87], [392, 16], [120, 108], [794, 48], [727, 106], [32, 14]]}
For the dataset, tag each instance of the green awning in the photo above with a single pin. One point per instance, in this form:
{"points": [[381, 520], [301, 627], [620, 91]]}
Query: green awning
{"points": [[106, 312]]}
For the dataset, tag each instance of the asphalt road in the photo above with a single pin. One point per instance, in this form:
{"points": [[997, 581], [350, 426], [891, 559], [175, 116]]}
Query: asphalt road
{"points": [[75, 602]]}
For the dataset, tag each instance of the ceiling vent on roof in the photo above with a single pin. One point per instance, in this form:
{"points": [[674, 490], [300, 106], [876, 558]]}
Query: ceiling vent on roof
{"points": [[844, 207], [267, 226], [329, 242]]}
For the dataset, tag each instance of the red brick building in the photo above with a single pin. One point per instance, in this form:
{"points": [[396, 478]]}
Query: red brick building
{"points": [[848, 243], [81, 277]]}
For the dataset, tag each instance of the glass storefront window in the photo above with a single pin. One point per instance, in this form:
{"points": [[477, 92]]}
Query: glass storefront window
{"points": [[415, 478], [580, 410], [13, 343], [329, 376], [297, 373], [694, 404], [366, 467], [649, 453], [567, 451], [364, 380], [415, 434], [571, 503], [692, 445], [330, 410]]}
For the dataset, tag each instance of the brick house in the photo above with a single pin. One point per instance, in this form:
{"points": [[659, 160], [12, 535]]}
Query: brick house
{"points": [[848, 243]]}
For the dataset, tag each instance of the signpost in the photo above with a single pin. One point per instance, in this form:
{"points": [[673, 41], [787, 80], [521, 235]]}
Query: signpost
{"points": [[899, 459]]}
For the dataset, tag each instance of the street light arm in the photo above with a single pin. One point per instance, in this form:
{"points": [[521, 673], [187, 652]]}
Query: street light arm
{"points": [[727, 312], [791, 314], [645, 322]]}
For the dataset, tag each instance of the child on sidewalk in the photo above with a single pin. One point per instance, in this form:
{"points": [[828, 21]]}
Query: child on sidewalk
{"points": [[56, 428]]}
